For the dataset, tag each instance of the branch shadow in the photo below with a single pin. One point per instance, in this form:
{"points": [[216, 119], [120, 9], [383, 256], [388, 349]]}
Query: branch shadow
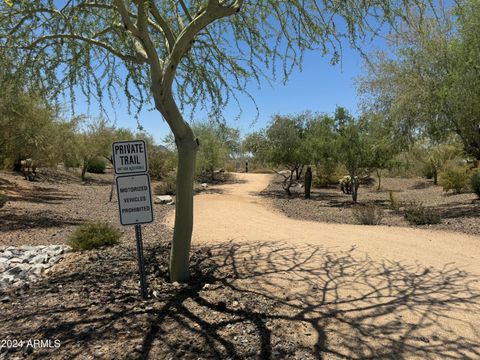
{"points": [[33, 220], [262, 300]]}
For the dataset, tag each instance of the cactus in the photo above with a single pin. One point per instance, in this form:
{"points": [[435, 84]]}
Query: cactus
{"points": [[308, 182]]}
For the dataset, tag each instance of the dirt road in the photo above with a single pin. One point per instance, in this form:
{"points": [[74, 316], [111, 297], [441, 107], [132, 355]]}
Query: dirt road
{"points": [[344, 290]]}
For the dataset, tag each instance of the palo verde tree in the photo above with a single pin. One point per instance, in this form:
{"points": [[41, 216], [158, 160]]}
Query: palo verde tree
{"points": [[285, 146], [353, 146], [432, 85], [179, 53]]}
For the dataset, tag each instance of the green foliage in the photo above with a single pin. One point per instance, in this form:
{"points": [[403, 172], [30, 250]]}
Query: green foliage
{"points": [[167, 186], [369, 214], [430, 83], [3, 200], [96, 165], [394, 203], [475, 182], [101, 49], [455, 178], [161, 162], [93, 235], [417, 214], [27, 126], [218, 144]]}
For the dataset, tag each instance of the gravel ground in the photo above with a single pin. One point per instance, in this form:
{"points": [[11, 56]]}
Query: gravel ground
{"points": [[459, 212], [88, 306]]}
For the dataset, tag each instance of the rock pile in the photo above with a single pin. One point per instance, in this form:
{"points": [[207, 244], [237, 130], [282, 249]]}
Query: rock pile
{"points": [[25, 264]]}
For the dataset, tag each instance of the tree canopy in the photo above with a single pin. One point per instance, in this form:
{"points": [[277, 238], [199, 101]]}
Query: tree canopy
{"points": [[432, 84]]}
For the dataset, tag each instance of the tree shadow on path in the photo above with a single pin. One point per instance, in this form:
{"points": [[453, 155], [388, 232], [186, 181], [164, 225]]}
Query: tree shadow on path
{"points": [[262, 300]]}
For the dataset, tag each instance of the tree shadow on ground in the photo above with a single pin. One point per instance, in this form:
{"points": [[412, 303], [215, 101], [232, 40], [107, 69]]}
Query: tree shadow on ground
{"points": [[43, 195], [460, 210], [262, 300], [33, 220]]}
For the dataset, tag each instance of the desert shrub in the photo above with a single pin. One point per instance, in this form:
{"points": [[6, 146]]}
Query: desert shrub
{"points": [[427, 171], [3, 200], [454, 178], [368, 214], [96, 165], [417, 214], [167, 186], [161, 163], [93, 235], [475, 182], [230, 167], [394, 203]]}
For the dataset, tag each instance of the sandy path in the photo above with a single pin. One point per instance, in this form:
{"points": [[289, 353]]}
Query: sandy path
{"points": [[426, 282]]}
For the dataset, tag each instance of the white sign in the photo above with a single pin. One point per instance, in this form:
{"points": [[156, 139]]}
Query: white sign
{"points": [[129, 157], [134, 199]]}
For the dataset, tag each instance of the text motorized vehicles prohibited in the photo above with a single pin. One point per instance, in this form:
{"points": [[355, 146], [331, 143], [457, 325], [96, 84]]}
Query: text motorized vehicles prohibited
{"points": [[134, 199]]}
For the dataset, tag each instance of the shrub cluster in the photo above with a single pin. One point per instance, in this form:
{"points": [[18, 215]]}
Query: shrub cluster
{"points": [[417, 214], [368, 214], [475, 182], [455, 178], [167, 186], [96, 165], [93, 235]]}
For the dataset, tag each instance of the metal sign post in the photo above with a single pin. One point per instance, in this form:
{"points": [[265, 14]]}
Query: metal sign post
{"points": [[134, 194], [141, 262]]}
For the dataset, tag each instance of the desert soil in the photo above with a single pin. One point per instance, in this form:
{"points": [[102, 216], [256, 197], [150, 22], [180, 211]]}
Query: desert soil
{"points": [[263, 286], [459, 212]]}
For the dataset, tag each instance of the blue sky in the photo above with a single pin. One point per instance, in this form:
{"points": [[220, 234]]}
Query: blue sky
{"points": [[319, 87]]}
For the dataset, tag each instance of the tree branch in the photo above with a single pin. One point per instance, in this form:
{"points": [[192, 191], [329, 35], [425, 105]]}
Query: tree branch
{"points": [[101, 44]]}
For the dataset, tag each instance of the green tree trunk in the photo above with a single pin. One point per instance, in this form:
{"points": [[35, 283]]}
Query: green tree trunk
{"points": [[182, 234], [84, 169], [379, 174]]}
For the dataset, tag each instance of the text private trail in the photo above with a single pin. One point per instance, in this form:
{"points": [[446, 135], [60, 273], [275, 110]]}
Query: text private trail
{"points": [[129, 153]]}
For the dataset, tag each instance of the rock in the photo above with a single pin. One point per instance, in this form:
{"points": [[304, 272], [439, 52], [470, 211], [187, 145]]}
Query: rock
{"points": [[5, 300], [163, 199], [7, 254], [40, 259], [204, 185], [98, 354]]}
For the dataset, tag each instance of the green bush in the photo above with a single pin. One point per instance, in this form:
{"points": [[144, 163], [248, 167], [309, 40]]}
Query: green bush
{"points": [[454, 178], [3, 200], [394, 203], [167, 186], [475, 181], [417, 214], [93, 235], [161, 164], [96, 165], [368, 214]]}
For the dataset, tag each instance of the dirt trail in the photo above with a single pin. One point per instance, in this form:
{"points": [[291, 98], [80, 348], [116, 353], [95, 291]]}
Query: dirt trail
{"points": [[238, 213], [373, 291]]}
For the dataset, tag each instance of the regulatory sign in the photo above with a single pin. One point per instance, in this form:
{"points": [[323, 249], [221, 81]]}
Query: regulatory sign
{"points": [[134, 199], [129, 157]]}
